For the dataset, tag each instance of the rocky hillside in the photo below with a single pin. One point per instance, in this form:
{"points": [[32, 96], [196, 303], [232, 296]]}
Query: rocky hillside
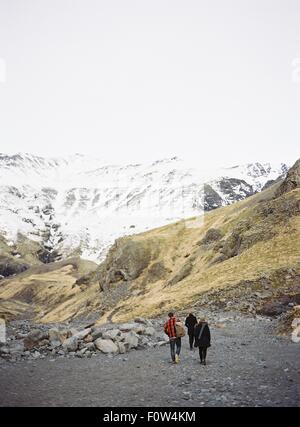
{"points": [[244, 256], [78, 206]]}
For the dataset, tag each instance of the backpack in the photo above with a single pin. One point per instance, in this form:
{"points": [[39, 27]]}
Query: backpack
{"points": [[179, 328]]}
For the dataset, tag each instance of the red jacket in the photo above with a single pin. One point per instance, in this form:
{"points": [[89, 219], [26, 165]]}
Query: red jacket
{"points": [[169, 327]]}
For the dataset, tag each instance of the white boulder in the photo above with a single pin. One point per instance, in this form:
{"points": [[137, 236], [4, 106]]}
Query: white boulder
{"points": [[131, 339], [106, 346]]}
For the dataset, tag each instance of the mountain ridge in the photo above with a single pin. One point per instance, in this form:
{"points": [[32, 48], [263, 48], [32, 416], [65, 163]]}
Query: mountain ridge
{"points": [[79, 206]]}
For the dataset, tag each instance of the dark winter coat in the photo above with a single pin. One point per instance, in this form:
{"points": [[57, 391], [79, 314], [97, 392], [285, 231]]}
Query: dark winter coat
{"points": [[204, 340], [190, 323]]}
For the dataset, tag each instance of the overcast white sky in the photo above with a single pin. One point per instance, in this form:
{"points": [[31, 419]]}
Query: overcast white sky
{"points": [[129, 81]]}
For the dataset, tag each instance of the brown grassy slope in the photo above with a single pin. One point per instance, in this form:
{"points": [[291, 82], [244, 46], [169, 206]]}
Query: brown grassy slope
{"points": [[258, 236], [49, 292]]}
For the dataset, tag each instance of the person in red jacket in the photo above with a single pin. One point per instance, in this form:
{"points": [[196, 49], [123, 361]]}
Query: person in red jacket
{"points": [[175, 342]]}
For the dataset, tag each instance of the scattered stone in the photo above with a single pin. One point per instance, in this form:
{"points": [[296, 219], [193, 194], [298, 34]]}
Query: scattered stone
{"points": [[83, 334], [140, 329], [97, 333], [33, 338], [36, 354], [57, 337], [143, 341], [127, 327], [73, 331], [263, 295], [88, 338], [121, 347], [90, 346], [106, 346], [131, 339], [141, 320], [111, 334], [4, 350], [150, 331], [16, 347], [70, 344]]}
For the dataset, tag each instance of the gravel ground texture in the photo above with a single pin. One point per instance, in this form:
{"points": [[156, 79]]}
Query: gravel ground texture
{"points": [[247, 365]]}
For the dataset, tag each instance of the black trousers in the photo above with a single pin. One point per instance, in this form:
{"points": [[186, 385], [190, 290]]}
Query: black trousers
{"points": [[202, 353], [191, 339]]}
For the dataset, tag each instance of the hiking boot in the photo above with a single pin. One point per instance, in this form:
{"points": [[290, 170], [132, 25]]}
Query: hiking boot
{"points": [[177, 358], [204, 362]]}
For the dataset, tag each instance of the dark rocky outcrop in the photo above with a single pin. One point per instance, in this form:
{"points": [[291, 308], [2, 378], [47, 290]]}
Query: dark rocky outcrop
{"points": [[212, 200], [47, 256], [10, 266], [126, 260], [279, 305], [231, 189], [235, 189], [292, 180], [212, 235]]}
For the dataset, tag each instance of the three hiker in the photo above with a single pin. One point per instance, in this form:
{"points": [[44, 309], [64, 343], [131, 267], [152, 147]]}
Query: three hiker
{"points": [[190, 323], [199, 335]]}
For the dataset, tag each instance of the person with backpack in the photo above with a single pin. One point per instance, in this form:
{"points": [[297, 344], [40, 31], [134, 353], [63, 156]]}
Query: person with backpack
{"points": [[190, 323], [175, 330], [202, 339]]}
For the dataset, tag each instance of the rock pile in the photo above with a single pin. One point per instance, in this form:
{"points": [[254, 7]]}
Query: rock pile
{"points": [[62, 341], [271, 294]]}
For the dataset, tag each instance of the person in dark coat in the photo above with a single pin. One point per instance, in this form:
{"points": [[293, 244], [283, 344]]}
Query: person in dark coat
{"points": [[190, 323], [202, 339]]}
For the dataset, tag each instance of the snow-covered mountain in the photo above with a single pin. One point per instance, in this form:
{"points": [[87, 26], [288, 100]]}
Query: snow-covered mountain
{"points": [[82, 204]]}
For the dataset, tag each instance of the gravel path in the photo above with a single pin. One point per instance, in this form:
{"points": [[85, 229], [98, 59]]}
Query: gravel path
{"points": [[247, 366]]}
